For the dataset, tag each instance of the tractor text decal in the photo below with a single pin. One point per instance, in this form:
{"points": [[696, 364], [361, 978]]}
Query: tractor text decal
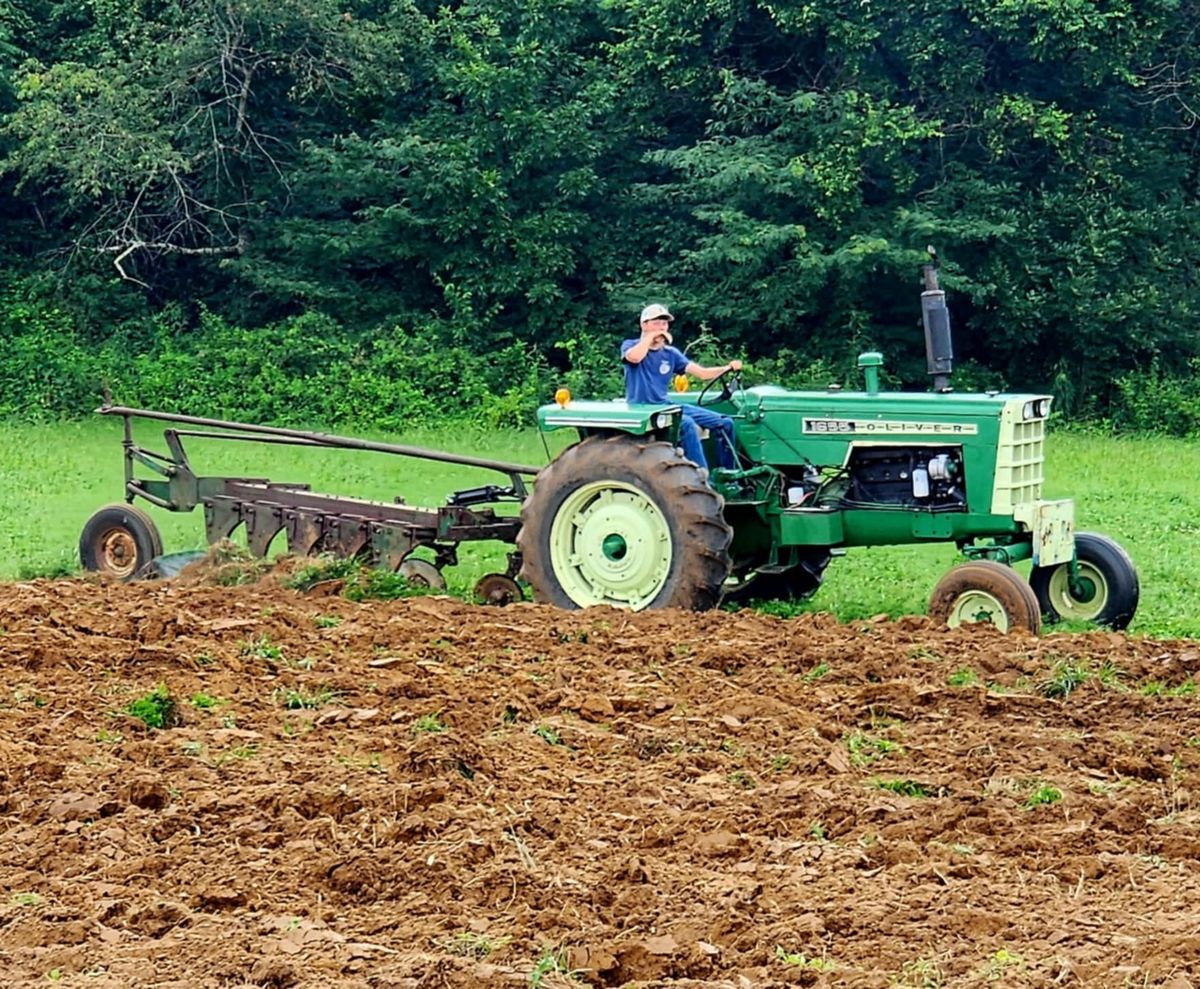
{"points": [[882, 426]]}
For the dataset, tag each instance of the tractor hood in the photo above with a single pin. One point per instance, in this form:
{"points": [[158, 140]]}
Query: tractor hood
{"points": [[890, 413]]}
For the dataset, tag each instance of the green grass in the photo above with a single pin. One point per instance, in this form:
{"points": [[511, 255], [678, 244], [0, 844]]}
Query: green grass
{"points": [[156, 709], [798, 959], [964, 676], [52, 477], [1043, 795], [360, 583], [904, 788], [547, 734], [301, 699], [1066, 675], [553, 962], [429, 724], [1156, 688], [865, 749]]}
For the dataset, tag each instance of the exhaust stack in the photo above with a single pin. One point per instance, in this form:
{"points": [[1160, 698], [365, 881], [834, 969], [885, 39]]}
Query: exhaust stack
{"points": [[939, 350]]}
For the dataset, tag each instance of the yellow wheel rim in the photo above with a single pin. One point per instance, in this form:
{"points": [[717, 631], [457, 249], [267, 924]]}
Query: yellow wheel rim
{"points": [[610, 544], [972, 607], [1089, 604]]}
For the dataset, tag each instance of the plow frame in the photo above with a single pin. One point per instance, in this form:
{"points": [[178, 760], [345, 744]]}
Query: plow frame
{"points": [[381, 533]]}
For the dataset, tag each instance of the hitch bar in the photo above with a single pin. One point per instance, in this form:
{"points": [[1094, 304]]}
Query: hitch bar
{"points": [[301, 437]]}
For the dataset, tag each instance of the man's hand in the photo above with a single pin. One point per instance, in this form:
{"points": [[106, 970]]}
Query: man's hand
{"points": [[734, 365]]}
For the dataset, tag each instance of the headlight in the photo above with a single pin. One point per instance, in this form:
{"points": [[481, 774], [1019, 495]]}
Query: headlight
{"points": [[1037, 408], [662, 420]]}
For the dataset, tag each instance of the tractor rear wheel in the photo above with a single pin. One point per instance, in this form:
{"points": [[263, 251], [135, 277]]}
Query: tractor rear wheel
{"points": [[797, 584], [118, 540], [1106, 591], [984, 591], [626, 522]]}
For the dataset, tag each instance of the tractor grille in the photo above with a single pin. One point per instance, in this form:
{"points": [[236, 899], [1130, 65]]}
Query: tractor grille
{"points": [[1020, 455]]}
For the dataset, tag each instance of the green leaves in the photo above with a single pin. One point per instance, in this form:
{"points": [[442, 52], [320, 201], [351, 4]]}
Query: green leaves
{"points": [[87, 130]]}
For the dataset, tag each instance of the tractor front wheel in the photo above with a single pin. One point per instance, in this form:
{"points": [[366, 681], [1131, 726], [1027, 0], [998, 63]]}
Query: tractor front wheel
{"points": [[118, 540], [1105, 590], [627, 522], [988, 592]]}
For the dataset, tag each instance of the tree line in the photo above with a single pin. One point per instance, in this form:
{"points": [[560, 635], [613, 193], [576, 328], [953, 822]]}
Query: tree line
{"points": [[457, 181]]}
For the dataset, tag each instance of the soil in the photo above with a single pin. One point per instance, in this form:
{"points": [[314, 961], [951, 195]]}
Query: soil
{"points": [[497, 797]]}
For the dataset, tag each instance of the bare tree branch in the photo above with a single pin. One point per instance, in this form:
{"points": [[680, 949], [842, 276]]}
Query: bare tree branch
{"points": [[162, 247]]}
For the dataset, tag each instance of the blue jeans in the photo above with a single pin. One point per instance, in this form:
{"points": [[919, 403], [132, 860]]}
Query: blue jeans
{"points": [[720, 428]]}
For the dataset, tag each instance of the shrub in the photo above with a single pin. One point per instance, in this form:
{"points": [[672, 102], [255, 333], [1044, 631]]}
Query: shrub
{"points": [[1153, 401], [45, 368]]}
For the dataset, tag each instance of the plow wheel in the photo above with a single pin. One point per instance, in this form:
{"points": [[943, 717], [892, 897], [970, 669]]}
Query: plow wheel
{"points": [[422, 573], [119, 540], [985, 592], [627, 522], [1105, 591], [498, 589]]}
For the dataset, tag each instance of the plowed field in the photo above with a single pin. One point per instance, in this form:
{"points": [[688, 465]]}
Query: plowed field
{"points": [[425, 793]]}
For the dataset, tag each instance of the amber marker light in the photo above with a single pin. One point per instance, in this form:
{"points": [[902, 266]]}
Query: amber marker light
{"points": [[562, 397], [680, 383]]}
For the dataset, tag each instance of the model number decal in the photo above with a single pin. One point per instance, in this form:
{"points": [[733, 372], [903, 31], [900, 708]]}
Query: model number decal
{"points": [[883, 426]]}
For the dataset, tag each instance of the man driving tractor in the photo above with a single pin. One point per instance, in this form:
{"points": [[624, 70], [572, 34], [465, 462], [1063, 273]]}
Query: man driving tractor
{"points": [[650, 361]]}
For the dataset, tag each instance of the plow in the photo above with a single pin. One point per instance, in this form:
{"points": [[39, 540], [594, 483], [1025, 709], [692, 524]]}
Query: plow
{"points": [[122, 540], [622, 518]]}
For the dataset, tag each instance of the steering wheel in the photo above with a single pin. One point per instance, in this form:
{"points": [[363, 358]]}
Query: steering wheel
{"points": [[734, 383]]}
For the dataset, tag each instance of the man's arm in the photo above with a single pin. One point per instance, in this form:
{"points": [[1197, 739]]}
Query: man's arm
{"points": [[708, 373], [637, 353]]}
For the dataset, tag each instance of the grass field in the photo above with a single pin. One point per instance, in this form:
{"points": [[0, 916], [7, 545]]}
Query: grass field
{"points": [[1141, 491]]}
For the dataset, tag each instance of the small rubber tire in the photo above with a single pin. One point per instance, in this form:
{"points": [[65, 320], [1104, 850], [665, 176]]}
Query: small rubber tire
{"points": [[1105, 565], [984, 591], [118, 541], [624, 521]]}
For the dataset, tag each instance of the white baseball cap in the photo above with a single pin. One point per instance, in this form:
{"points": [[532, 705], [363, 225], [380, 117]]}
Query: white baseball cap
{"points": [[656, 310]]}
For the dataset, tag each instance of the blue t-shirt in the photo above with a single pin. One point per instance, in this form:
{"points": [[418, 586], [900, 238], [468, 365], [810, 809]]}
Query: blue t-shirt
{"points": [[646, 383]]}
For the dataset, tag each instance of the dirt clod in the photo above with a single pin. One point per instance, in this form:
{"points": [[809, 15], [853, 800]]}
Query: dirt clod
{"points": [[80, 807], [147, 794]]}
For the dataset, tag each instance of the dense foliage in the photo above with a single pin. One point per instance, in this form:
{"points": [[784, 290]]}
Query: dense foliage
{"points": [[364, 209]]}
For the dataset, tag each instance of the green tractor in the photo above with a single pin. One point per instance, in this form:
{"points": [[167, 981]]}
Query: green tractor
{"points": [[621, 518]]}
